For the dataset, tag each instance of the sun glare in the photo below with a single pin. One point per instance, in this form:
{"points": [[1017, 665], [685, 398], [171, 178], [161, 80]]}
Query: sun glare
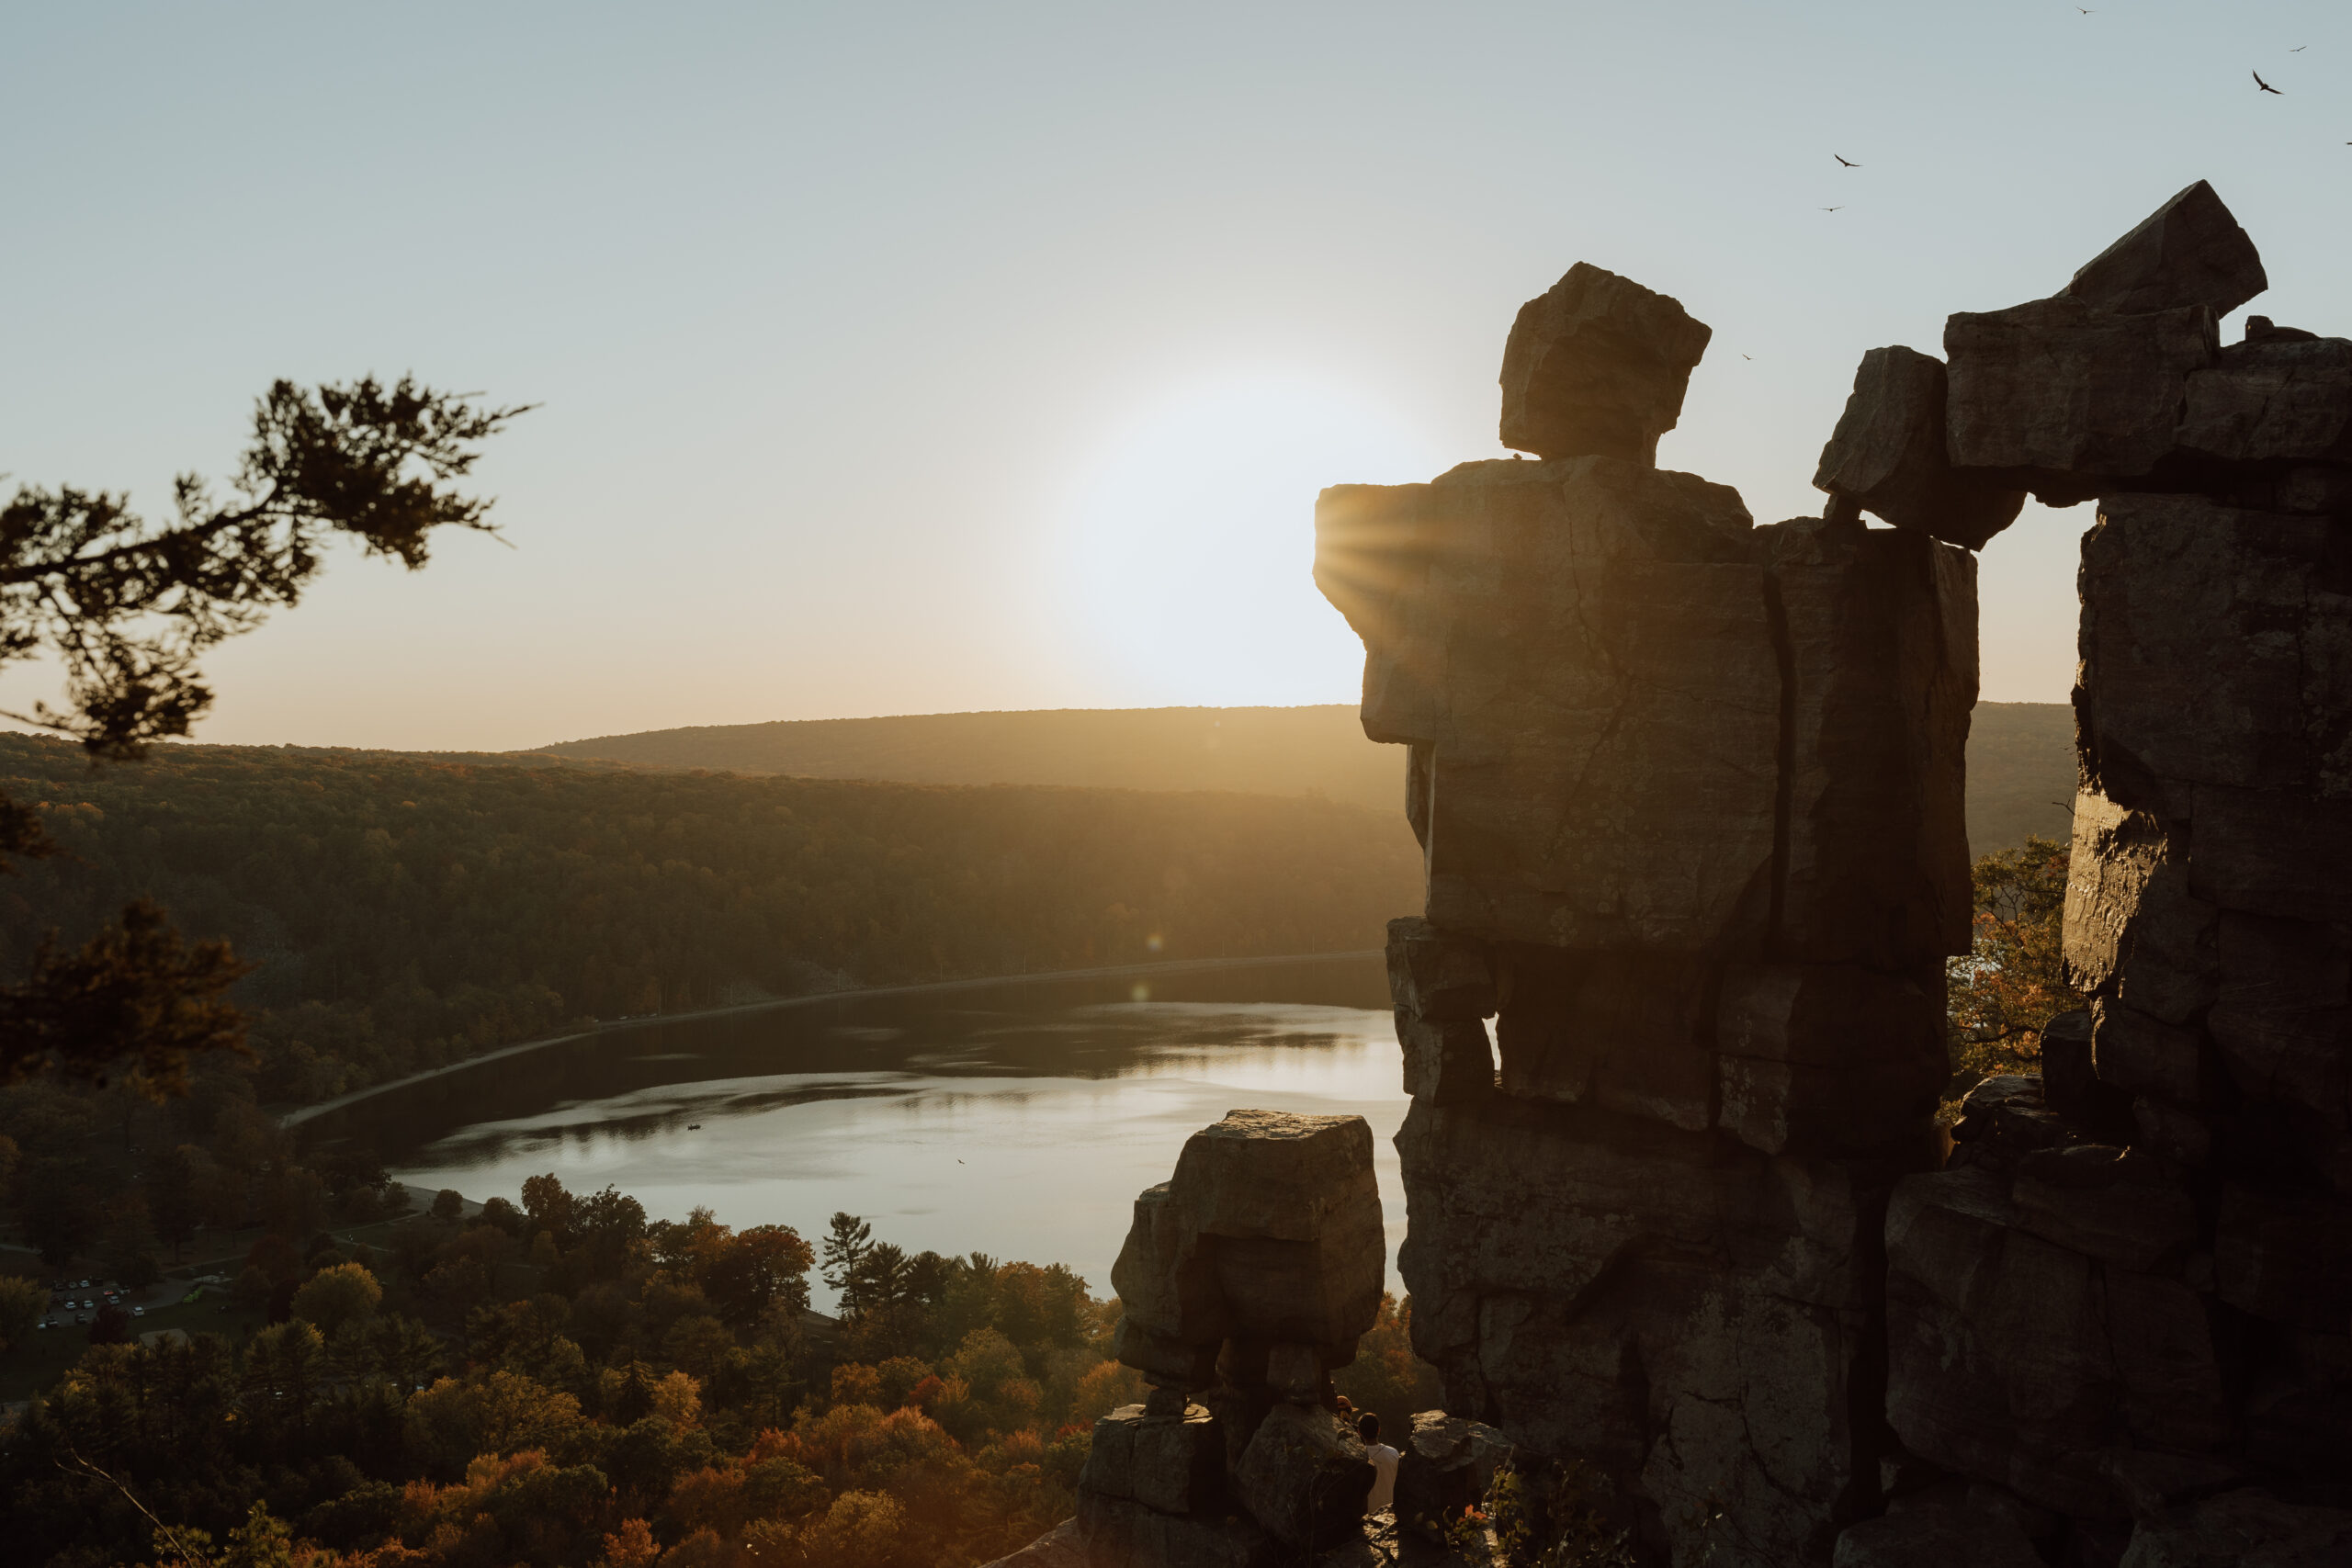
{"points": [[1190, 540]]}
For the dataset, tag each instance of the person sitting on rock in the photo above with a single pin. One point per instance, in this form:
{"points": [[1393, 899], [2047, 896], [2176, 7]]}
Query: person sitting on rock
{"points": [[1384, 1465]]}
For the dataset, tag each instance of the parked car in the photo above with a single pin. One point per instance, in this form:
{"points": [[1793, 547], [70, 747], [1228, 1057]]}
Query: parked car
{"points": [[81, 1317], [139, 1312]]}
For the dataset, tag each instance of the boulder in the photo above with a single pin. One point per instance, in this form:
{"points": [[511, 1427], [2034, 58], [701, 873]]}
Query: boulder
{"points": [[2113, 1205], [1445, 1467], [1690, 1322], [2139, 1055], [1437, 976], [1937, 1529], [2004, 1117], [1800, 1108], [2272, 400], [2282, 1022], [1625, 1032], [2248, 1528], [1998, 1363], [2133, 928], [1878, 631], [1826, 1058], [1596, 366], [1888, 456], [1304, 1478], [1581, 655], [2299, 1410], [1174, 1465], [2065, 399], [2188, 252], [2172, 1131], [2170, 1348], [1269, 1232], [1442, 987], [2274, 852], [2286, 1255], [2206, 645], [1825, 1014], [1447, 1064], [2150, 1482], [2016, 1359], [2071, 1088]]}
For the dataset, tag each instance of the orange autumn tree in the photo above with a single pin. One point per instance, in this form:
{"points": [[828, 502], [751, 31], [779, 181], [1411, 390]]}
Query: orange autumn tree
{"points": [[2013, 979]]}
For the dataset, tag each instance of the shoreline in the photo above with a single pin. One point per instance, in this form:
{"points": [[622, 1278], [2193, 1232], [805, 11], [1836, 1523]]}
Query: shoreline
{"points": [[301, 1115]]}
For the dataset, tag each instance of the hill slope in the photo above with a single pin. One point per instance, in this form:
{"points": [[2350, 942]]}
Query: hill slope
{"points": [[405, 911], [2021, 755], [1258, 750]]}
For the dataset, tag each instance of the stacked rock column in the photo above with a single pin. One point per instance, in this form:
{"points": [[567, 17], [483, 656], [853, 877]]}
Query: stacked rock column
{"points": [[1246, 1279], [2132, 1286], [1689, 794]]}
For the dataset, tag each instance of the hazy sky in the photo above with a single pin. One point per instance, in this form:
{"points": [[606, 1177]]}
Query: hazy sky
{"points": [[930, 358]]}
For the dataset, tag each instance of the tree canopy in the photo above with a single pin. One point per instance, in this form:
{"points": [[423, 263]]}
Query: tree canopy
{"points": [[128, 609]]}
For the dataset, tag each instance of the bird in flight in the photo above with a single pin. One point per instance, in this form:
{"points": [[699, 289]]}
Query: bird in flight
{"points": [[2264, 85], [1751, 357], [2299, 48], [1841, 206], [2086, 10], [1843, 159]]}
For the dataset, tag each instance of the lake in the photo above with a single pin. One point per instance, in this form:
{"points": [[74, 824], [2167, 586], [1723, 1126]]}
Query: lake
{"points": [[1019, 1118]]}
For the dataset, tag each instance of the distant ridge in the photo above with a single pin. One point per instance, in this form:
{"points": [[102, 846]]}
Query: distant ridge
{"points": [[2021, 755]]}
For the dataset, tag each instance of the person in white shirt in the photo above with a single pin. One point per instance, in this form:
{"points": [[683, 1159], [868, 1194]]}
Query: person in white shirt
{"points": [[1384, 1465]]}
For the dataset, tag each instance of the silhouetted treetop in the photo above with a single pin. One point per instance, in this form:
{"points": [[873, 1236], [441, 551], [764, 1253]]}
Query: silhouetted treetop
{"points": [[128, 607]]}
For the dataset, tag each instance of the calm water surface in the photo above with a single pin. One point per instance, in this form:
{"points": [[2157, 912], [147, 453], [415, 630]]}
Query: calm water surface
{"points": [[1020, 1121]]}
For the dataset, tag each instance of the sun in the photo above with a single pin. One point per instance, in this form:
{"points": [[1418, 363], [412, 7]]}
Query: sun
{"points": [[1189, 541]]}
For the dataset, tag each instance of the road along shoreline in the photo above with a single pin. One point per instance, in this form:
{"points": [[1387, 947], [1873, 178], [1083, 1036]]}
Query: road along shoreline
{"points": [[301, 1115]]}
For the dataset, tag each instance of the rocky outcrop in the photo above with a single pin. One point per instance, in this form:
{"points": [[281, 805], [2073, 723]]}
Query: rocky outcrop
{"points": [[2132, 1286], [1689, 792], [1245, 1279]]}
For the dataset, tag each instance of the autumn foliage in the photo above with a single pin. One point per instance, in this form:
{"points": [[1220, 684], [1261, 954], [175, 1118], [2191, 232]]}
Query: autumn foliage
{"points": [[2013, 979], [563, 1382]]}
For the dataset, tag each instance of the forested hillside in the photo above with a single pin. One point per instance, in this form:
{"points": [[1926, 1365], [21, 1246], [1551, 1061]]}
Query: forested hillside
{"points": [[1264, 750], [2021, 755], [2020, 774], [405, 911]]}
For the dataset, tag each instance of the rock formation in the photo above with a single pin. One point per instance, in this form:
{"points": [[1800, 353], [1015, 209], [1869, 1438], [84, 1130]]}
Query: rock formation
{"points": [[1245, 1279], [1689, 792], [2132, 1285]]}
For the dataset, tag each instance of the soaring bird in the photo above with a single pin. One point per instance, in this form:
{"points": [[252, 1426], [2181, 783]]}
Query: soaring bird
{"points": [[2264, 85], [1843, 159], [1839, 208], [2299, 48]]}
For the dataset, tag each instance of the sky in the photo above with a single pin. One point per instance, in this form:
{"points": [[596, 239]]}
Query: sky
{"points": [[917, 358]]}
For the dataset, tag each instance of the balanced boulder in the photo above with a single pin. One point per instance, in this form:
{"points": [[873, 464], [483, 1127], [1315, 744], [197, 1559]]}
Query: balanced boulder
{"points": [[2190, 250], [1596, 366]]}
